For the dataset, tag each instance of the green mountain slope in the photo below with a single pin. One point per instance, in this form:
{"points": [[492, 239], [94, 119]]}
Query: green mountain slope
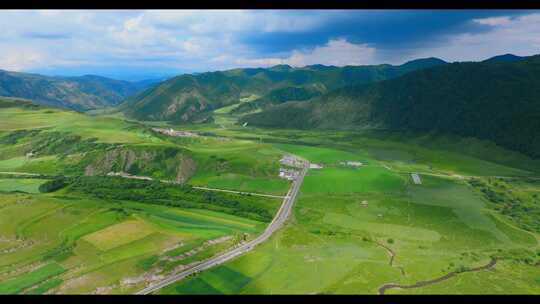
{"points": [[77, 93], [497, 101], [191, 97], [278, 96]]}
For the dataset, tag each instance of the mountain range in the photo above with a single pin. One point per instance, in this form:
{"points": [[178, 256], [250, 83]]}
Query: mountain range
{"points": [[76, 93], [189, 97], [496, 100]]}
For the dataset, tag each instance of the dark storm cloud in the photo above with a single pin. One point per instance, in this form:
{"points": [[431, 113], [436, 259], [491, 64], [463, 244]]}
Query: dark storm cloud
{"points": [[404, 29]]}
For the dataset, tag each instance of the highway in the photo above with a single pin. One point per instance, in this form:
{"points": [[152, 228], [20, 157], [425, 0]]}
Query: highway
{"points": [[277, 222]]}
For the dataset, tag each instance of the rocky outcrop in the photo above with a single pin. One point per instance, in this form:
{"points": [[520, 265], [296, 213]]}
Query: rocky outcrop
{"points": [[156, 162]]}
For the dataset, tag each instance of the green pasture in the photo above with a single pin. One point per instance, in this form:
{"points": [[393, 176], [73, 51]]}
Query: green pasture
{"points": [[231, 181], [65, 242], [362, 179], [30, 279], [328, 245], [96, 242], [29, 185]]}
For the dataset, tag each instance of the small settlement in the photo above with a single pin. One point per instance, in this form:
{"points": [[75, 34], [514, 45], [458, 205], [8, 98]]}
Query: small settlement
{"points": [[172, 132], [351, 163], [288, 174], [290, 163]]}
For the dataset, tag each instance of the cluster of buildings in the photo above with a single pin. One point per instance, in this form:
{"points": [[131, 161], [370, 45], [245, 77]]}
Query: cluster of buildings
{"points": [[291, 161], [288, 174], [172, 132]]}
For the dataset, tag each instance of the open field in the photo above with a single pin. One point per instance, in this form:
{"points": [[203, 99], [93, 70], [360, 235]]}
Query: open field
{"points": [[364, 179]]}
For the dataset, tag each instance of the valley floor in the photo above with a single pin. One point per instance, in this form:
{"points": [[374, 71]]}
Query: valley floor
{"points": [[471, 226], [356, 230]]}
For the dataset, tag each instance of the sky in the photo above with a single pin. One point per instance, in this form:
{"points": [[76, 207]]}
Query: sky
{"points": [[141, 44]]}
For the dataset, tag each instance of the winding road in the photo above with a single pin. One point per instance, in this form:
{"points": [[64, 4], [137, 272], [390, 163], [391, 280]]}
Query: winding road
{"points": [[277, 222]]}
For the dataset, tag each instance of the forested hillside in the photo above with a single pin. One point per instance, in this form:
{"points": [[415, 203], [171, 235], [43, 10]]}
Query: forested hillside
{"points": [[190, 97], [497, 100]]}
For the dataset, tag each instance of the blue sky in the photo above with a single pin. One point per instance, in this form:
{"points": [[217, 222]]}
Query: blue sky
{"points": [[132, 44]]}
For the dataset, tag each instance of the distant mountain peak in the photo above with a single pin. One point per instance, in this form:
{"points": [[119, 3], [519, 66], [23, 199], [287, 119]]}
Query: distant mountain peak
{"points": [[504, 58], [281, 67], [319, 67], [425, 61]]}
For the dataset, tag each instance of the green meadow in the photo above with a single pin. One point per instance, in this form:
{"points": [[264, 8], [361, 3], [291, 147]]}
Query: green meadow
{"points": [[90, 244], [78, 242], [332, 243], [342, 180], [29, 185], [346, 224]]}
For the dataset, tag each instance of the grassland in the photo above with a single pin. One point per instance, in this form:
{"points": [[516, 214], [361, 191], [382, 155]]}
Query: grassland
{"points": [[91, 244], [78, 241], [29, 185], [353, 229], [68, 143], [344, 216]]}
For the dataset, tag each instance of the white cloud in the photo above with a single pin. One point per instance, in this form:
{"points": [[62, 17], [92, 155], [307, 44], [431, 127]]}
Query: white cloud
{"points": [[337, 52], [493, 21], [20, 59], [184, 39]]}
